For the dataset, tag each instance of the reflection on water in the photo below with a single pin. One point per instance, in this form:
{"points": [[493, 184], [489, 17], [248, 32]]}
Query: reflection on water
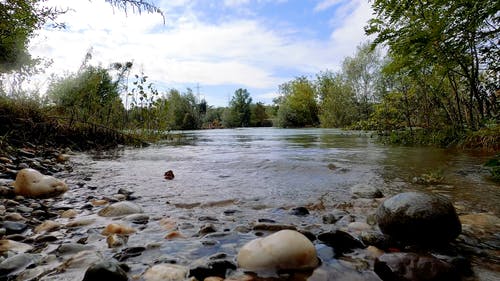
{"points": [[280, 166]]}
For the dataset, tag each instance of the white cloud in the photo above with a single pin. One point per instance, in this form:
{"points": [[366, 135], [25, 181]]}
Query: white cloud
{"points": [[326, 4], [187, 50]]}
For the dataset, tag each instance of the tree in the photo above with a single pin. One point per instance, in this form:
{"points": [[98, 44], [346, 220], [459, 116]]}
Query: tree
{"points": [[259, 117], [89, 96], [297, 104], [238, 112], [337, 100], [361, 73], [182, 111], [456, 40]]}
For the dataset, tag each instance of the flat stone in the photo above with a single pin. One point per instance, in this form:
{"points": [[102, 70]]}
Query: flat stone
{"points": [[13, 227]]}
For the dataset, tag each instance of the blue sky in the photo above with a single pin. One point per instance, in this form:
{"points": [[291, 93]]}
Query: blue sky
{"points": [[219, 45]]}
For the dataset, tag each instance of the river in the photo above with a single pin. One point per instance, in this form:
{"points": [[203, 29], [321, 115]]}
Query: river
{"points": [[280, 167], [233, 178]]}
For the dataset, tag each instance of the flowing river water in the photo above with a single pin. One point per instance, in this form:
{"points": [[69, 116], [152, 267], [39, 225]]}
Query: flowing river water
{"points": [[230, 179]]}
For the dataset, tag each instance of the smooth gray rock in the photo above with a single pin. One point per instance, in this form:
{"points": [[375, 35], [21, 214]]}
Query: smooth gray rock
{"points": [[366, 191], [417, 218]]}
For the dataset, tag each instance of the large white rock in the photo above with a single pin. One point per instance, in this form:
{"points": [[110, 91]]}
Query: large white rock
{"points": [[31, 183], [122, 208], [285, 249]]}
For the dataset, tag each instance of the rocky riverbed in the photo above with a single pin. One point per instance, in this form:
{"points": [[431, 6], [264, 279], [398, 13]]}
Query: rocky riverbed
{"points": [[96, 232]]}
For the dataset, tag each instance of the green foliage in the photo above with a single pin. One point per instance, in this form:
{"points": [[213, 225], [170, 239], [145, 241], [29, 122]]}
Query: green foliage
{"points": [[89, 95], [337, 100], [362, 73], [452, 43], [183, 111], [259, 116], [238, 113], [493, 165], [297, 104]]}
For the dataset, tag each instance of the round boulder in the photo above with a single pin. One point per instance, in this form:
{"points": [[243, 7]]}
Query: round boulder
{"points": [[32, 183], [418, 218], [285, 249]]}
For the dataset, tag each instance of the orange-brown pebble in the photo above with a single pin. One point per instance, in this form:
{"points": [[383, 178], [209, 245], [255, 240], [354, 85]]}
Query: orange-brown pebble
{"points": [[99, 202], [174, 235], [116, 228]]}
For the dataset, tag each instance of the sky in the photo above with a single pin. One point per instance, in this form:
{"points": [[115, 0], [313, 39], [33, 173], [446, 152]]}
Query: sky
{"points": [[211, 46]]}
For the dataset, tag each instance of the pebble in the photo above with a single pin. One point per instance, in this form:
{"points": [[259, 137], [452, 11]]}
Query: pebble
{"points": [[366, 191], [13, 227], [116, 240], [166, 272], [69, 214], [105, 270], [299, 211], [116, 228], [47, 226], [122, 208], [14, 246], [414, 267], [341, 241]]}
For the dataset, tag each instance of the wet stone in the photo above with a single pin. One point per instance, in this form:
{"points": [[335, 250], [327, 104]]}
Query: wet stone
{"points": [[125, 191], [299, 211], [206, 229], [166, 272], [105, 270], [129, 253], [272, 227], [414, 267], [24, 209], [207, 218], [13, 227], [16, 263], [333, 217], [341, 242], [231, 212], [46, 238], [72, 248], [366, 191], [419, 218], [375, 238], [217, 268]]}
